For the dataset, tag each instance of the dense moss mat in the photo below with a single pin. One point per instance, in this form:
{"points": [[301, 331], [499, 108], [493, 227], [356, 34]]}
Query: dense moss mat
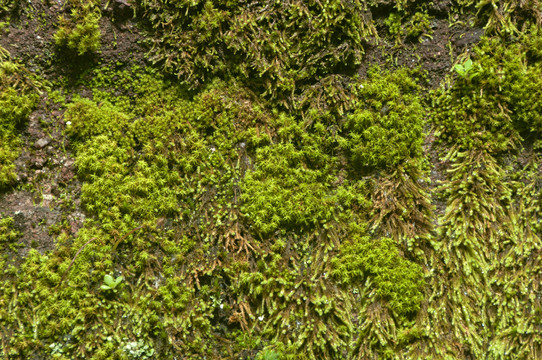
{"points": [[277, 46], [200, 234], [273, 205], [493, 237]]}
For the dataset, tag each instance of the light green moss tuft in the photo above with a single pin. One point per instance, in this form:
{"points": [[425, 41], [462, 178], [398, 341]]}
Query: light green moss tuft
{"points": [[395, 278], [81, 32], [385, 127], [17, 100]]}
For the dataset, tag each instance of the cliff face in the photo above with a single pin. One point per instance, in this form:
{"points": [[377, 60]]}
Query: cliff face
{"points": [[270, 180]]}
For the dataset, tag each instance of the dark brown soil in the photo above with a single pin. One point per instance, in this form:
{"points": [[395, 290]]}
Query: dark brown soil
{"points": [[29, 38]]}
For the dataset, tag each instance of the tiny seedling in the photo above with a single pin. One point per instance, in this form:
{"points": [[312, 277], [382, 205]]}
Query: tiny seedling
{"points": [[464, 69], [110, 283]]}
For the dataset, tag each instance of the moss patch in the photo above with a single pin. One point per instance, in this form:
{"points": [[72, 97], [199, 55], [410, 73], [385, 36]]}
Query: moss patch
{"points": [[17, 100]]}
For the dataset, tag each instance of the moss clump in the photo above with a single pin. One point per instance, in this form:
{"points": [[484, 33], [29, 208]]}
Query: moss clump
{"points": [[8, 237], [401, 205], [142, 176], [87, 119], [506, 16], [7, 234], [419, 26], [286, 212], [282, 45], [395, 278], [484, 117], [17, 100], [81, 32], [7, 5], [496, 101], [213, 211], [290, 187], [532, 38], [385, 127], [282, 194], [416, 26]]}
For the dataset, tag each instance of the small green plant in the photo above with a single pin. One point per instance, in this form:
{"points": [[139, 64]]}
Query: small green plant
{"points": [[465, 70], [393, 22], [110, 283]]}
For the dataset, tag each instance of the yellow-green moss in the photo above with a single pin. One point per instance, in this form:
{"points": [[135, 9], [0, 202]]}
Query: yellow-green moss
{"points": [[80, 32], [241, 231], [274, 46], [396, 279], [17, 100], [385, 127], [496, 101]]}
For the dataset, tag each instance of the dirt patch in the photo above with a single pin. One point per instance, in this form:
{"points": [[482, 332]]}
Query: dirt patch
{"points": [[30, 38], [31, 219], [45, 200]]}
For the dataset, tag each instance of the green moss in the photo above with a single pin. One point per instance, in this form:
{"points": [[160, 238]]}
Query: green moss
{"points": [[81, 32], [283, 193], [393, 22], [243, 231], [7, 6], [484, 117], [401, 206], [496, 102], [216, 36], [412, 26], [56, 97], [396, 279], [17, 100], [419, 26], [182, 193], [532, 37], [86, 119], [386, 125], [7, 234], [507, 16], [156, 158]]}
